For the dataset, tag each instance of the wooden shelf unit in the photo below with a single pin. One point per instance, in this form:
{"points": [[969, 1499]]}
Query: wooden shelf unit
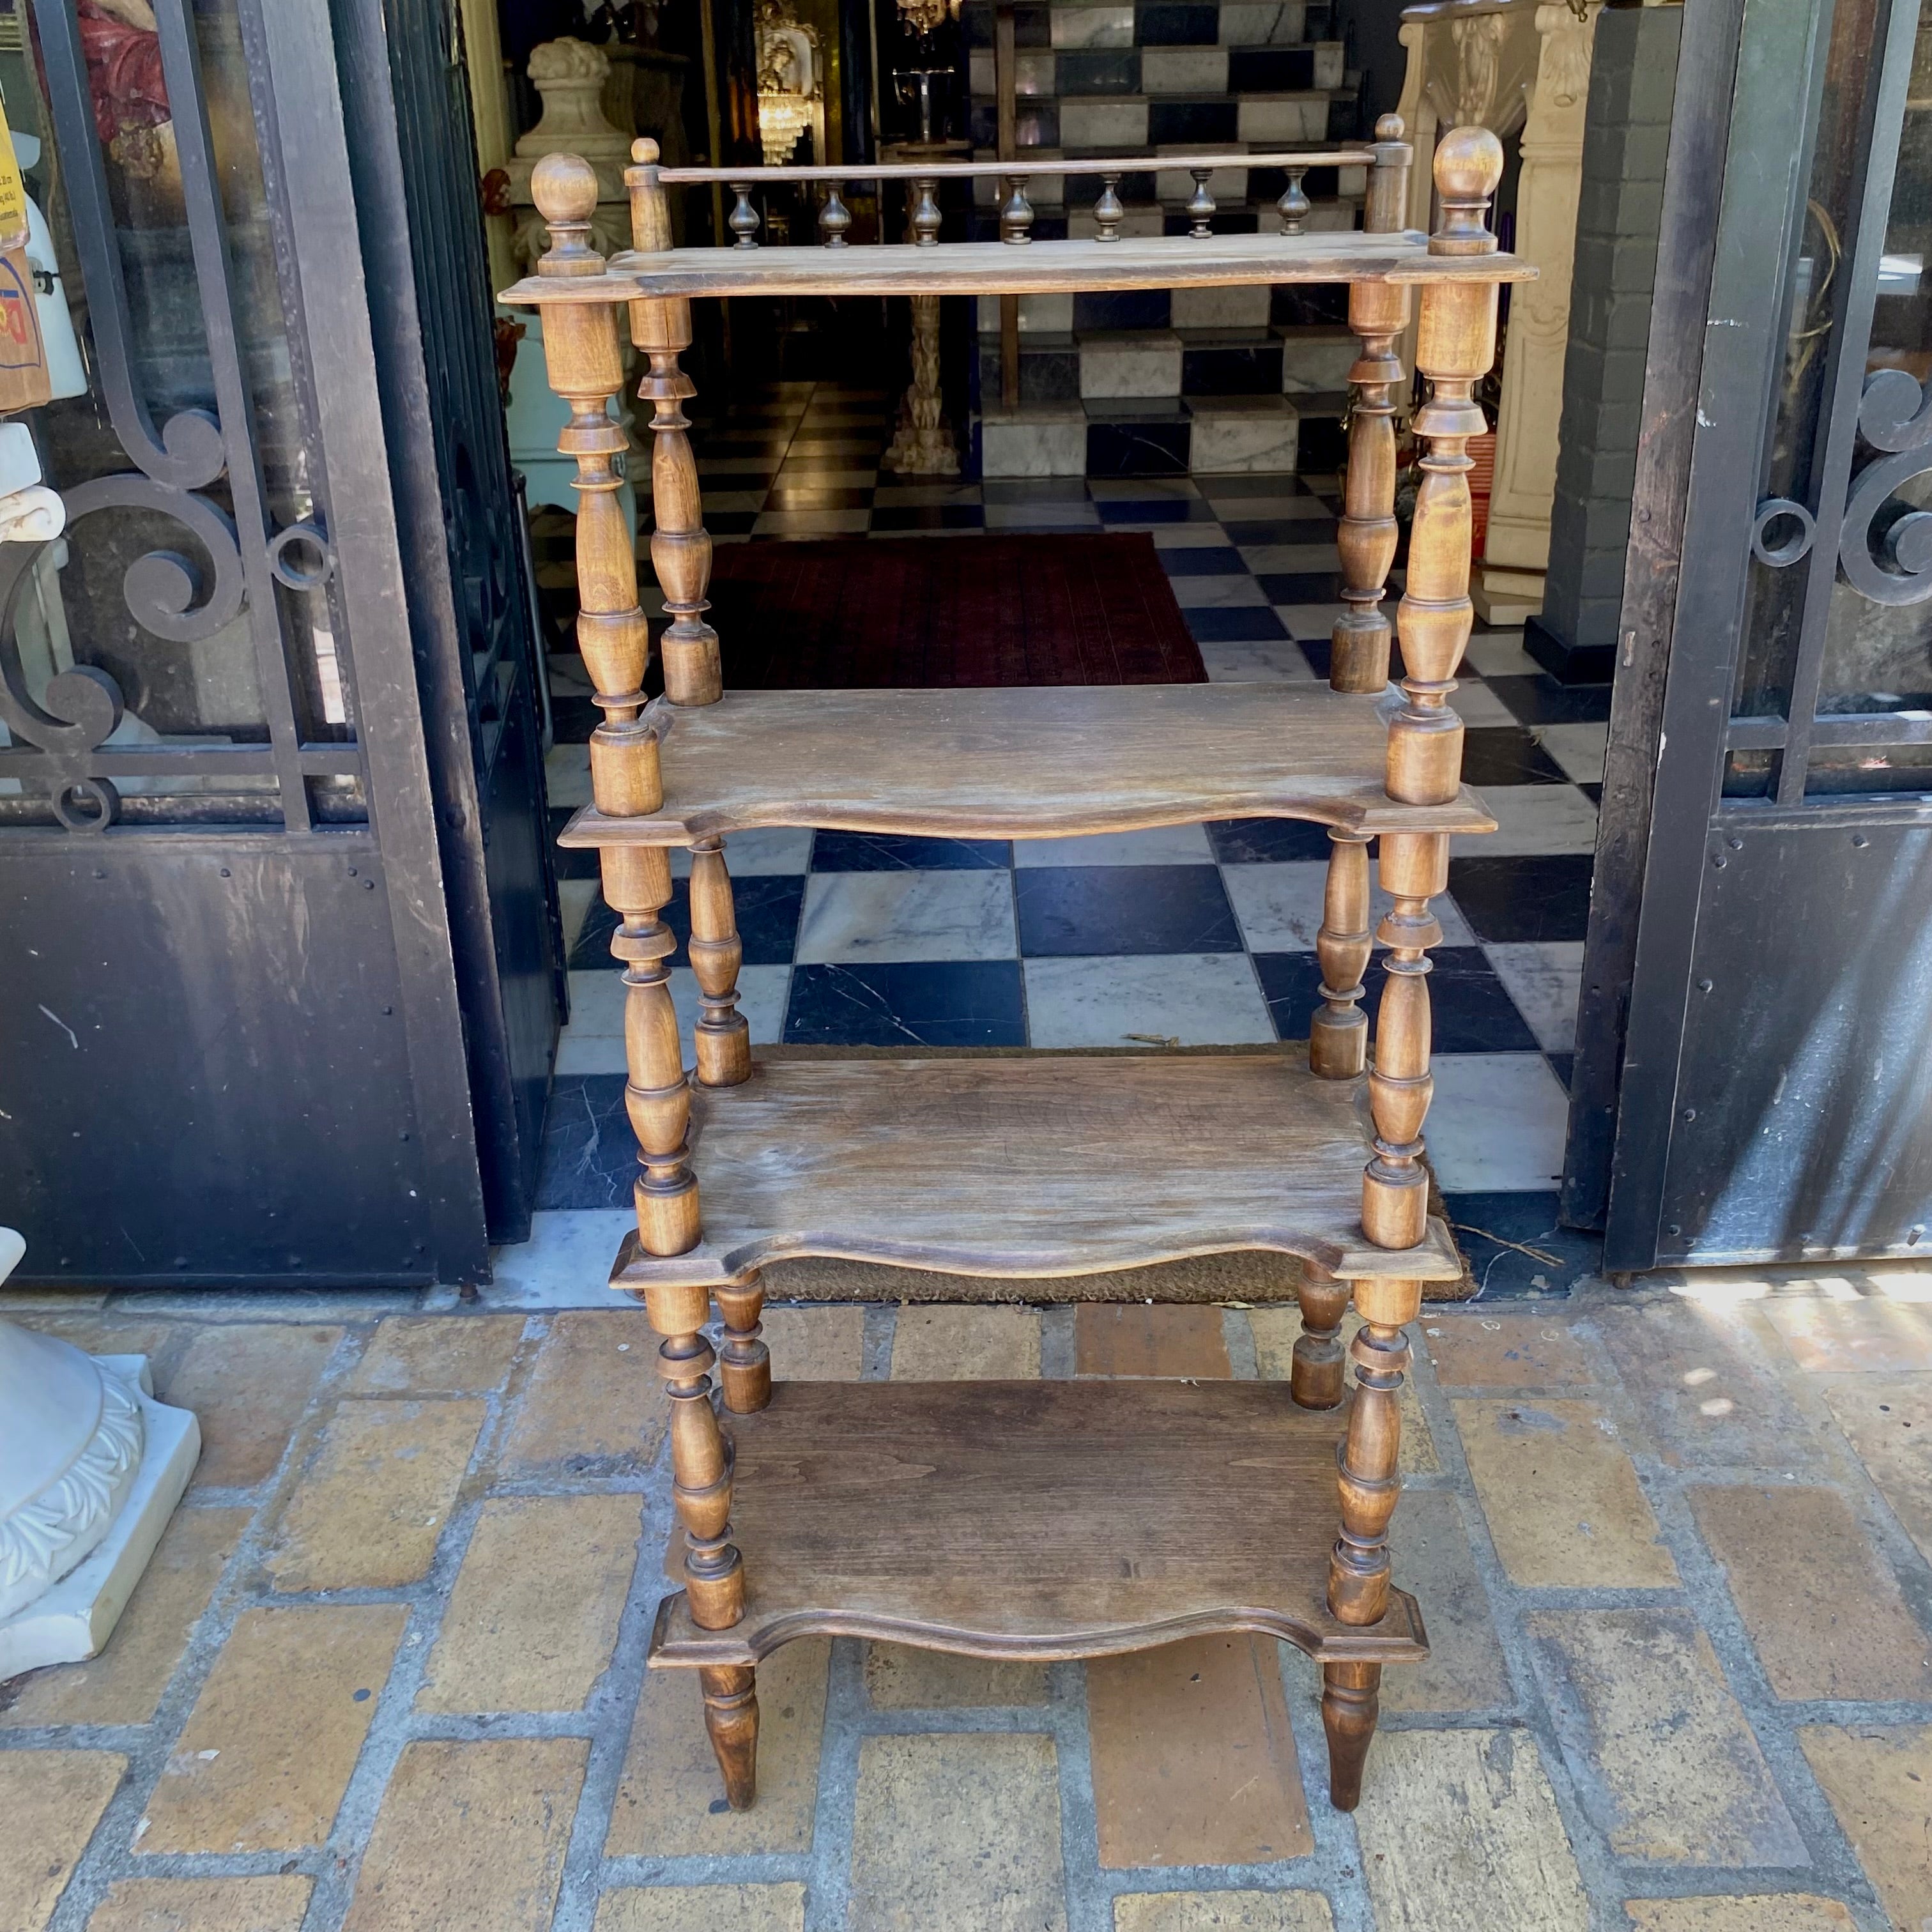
{"points": [[1027, 763], [1035, 1519]]}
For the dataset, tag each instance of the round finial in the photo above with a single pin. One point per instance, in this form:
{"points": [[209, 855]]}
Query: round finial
{"points": [[644, 151], [1389, 127], [1469, 164], [564, 187]]}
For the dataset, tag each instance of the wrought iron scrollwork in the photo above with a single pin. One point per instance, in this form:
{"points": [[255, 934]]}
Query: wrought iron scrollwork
{"points": [[170, 596], [1885, 548]]}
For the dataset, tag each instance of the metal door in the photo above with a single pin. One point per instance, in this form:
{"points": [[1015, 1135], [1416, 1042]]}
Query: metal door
{"points": [[237, 1032], [1775, 1098]]}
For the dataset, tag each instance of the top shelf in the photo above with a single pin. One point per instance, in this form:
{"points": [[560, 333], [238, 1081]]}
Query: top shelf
{"points": [[993, 268]]}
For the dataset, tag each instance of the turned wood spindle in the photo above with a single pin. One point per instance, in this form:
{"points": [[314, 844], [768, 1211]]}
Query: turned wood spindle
{"points": [[1385, 210], [1414, 869], [723, 1036], [744, 221], [834, 217], [1016, 217], [744, 1363], [1108, 210], [1315, 1371], [1294, 204], [1338, 1035], [1456, 343], [1366, 538], [925, 215], [680, 546], [1201, 207], [585, 368], [1369, 1482]]}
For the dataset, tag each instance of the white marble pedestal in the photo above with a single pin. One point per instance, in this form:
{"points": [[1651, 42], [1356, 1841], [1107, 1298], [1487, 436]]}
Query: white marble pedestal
{"points": [[92, 1467]]}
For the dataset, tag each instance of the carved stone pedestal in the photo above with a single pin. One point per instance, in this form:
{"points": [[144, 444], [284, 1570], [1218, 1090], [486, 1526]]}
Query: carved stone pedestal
{"points": [[91, 1468]]}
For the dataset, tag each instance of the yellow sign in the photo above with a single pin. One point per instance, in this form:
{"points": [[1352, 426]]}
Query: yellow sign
{"points": [[13, 193]]}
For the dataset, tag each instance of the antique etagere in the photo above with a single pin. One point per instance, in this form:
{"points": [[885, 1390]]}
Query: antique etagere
{"points": [[1041, 1519]]}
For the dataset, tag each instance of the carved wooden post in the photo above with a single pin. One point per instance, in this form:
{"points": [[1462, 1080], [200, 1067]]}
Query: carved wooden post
{"points": [[1456, 343], [723, 1037], [745, 1366], [714, 1574], [585, 368], [1358, 1568], [1338, 1035], [680, 546], [1366, 536], [1315, 1373]]}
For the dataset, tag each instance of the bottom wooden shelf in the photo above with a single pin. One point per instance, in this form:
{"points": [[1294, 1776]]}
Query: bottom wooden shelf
{"points": [[1035, 1519]]}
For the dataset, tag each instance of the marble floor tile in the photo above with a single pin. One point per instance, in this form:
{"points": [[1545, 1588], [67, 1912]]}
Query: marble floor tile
{"points": [[1069, 910], [565, 1264], [907, 915], [1497, 1122], [575, 897], [1189, 536], [1273, 558], [1476, 705], [1260, 662], [1531, 820], [1543, 897], [1280, 906], [1203, 999], [1215, 593], [1256, 841], [895, 852], [567, 775], [1496, 755], [1500, 654], [1042, 516], [1309, 620], [921, 1003], [747, 855], [1166, 845], [1142, 489], [597, 1005], [1544, 981], [1578, 748], [1215, 560]]}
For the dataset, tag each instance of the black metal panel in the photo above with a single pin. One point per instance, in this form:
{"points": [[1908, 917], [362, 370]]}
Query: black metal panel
{"points": [[205, 1070], [1803, 1126]]}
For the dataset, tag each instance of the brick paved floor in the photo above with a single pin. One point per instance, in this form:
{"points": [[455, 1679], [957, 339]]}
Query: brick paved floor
{"points": [[386, 1672]]}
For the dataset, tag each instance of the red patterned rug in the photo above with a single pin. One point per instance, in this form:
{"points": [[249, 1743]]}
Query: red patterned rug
{"points": [[855, 612]]}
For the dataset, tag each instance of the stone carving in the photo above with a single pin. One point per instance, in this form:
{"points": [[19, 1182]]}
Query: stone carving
{"points": [[571, 77]]}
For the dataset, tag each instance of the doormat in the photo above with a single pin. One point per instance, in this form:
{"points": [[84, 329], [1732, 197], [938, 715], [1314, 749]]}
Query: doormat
{"points": [[864, 613]]}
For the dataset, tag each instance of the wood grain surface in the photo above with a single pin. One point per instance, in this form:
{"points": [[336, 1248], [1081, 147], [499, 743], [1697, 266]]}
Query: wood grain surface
{"points": [[1055, 760], [1042, 1164], [1034, 1520], [981, 268]]}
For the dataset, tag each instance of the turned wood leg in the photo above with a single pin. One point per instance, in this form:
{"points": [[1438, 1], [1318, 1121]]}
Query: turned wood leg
{"points": [[731, 1717], [1365, 539], [744, 1363], [1314, 1374], [700, 1457], [724, 1037], [1338, 1035], [1369, 1482], [657, 1096], [1414, 869], [1358, 1566], [680, 545], [1350, 1703]]}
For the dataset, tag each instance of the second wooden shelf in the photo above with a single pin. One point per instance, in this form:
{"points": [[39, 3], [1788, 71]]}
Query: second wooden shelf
{"points": [[1041, 1164], [1051, 761]]}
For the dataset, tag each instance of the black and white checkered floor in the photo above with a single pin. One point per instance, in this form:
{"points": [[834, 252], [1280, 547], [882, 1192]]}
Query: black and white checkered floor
{"points": [[1195, 934]]}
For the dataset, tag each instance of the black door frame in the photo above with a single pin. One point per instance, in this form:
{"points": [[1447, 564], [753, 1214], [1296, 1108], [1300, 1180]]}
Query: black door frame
{"points": [[1735, 191], [354, 1112]]}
